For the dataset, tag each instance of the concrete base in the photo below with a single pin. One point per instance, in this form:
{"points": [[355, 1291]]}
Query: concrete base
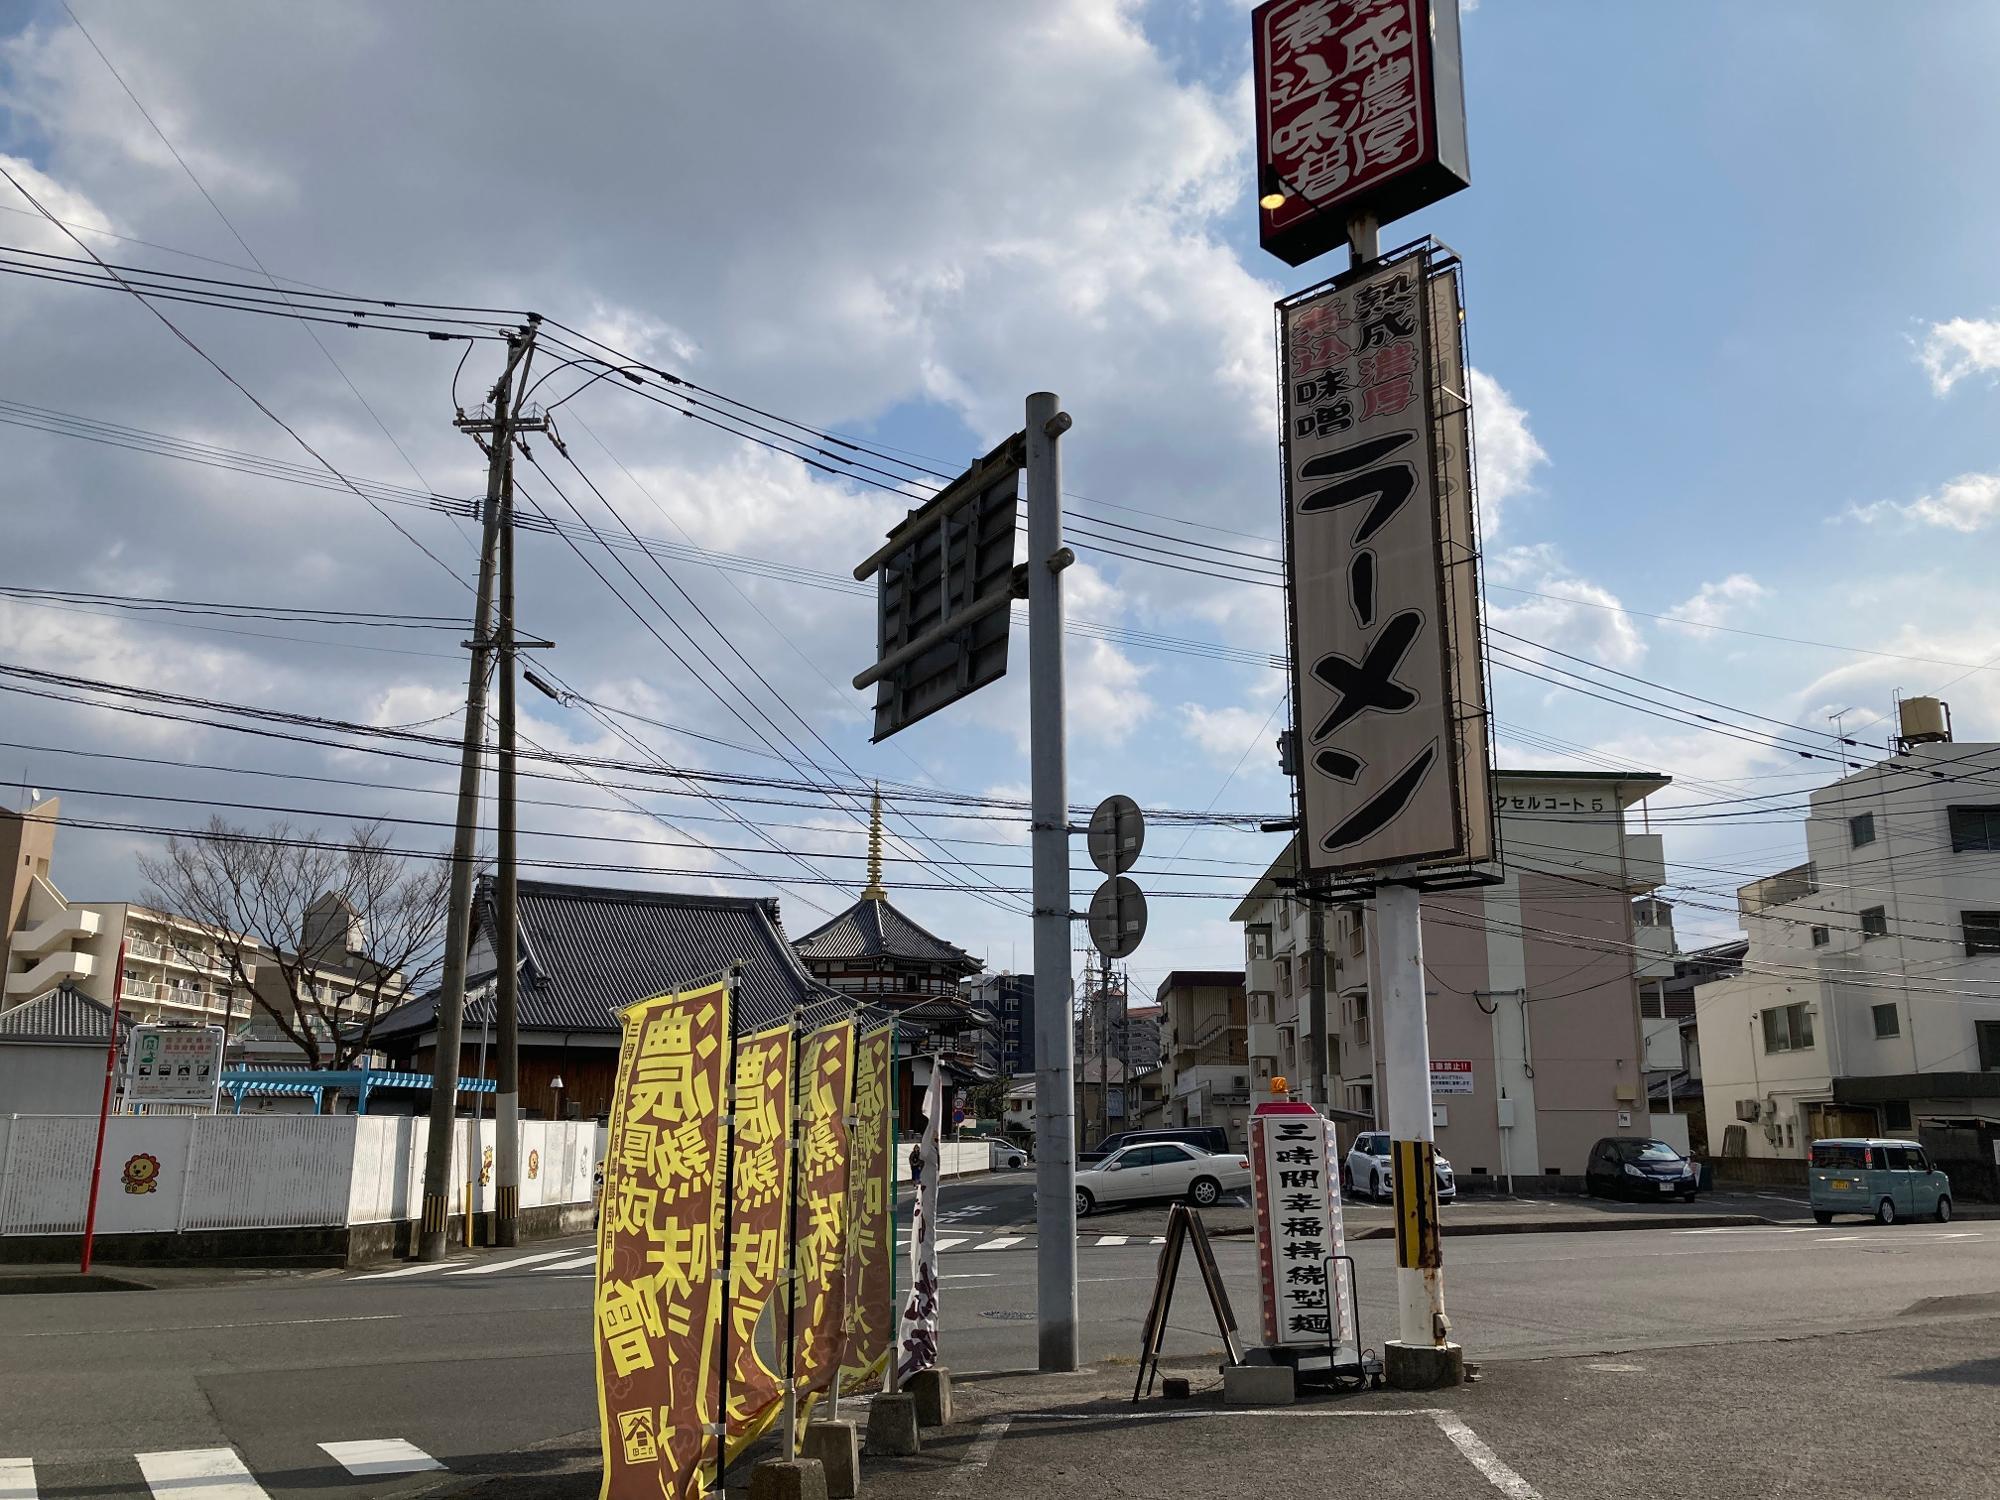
{"points": [[836, 1447], [892, 1424], [1423, 1367], [1259, 1385], [788, 1479], [932, 1391]]}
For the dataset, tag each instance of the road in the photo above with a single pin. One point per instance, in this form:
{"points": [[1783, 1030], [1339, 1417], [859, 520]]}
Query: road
{"points": [[483, 1366]]}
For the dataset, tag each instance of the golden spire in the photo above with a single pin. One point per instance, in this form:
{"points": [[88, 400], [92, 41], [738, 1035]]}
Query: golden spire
{"points": [[873, 890]]}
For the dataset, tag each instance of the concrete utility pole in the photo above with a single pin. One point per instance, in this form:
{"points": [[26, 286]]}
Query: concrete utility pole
{"points": [[458, 915], [1319, 1087], [506, 905], [1055, 1029]]}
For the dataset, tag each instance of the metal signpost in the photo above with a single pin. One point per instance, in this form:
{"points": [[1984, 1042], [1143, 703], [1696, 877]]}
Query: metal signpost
{"points": [[1361, 119], [947, 580]]}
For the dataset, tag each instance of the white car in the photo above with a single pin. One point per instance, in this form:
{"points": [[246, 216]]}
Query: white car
{"points": [[1160, 1169], [1368, 1170]]}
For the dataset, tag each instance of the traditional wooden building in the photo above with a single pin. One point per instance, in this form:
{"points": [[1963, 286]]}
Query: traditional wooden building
{"points": [[876, 955]]}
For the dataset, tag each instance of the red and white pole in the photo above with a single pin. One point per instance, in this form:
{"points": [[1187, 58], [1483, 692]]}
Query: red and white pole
{"points": [[104, 1108]]}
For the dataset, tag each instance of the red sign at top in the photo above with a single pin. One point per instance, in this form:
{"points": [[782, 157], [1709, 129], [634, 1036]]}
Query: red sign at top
{"points": [[1359, 108]]}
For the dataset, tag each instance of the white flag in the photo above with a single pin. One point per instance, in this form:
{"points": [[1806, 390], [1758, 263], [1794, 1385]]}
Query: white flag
{"points": [[919, 1331]]}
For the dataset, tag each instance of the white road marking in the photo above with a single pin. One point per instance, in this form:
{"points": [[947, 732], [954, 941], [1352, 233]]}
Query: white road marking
{"points": [[1615, 1369], [370, 1456], [949, 1244], [1111, 1239], [1837, 1239], [978, 1454], [1005, 1242], [421, 1268], [210, 1473], [99, 1333], [1483, 1458], [17, 1479], [487, 1268], [589, 1259]]}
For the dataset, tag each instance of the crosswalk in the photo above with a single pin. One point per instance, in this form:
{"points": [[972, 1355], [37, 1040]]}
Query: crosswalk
{"points": [[573, 1261], [214, 1473]]}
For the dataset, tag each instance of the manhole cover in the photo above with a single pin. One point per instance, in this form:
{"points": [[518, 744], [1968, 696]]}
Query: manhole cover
{"points": [[1010, 1317]]}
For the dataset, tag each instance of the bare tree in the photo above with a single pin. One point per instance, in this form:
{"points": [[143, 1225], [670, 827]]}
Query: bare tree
{"points": [[325, 938]]}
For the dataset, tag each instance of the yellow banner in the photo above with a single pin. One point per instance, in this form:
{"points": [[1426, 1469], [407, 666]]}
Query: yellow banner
{"points": [[658, 1306], [871, 1199], [826, 1070], [761, 1192]]}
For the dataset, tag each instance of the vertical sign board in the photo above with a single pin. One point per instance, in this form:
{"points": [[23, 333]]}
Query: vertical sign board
{"points": [[871, 1197], [1382, 588], [174, 1065], [1301, 1287], [1360, 106], [762, 1105]]}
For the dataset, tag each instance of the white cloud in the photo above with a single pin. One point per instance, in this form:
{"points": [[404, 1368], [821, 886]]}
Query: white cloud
{"points": [[1224, 733], [1959, 347], [1558, 608], [1968, 503], [1508, 453], [1716, 602]]}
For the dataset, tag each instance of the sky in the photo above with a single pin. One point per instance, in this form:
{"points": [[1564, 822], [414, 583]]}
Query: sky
{"points": [[1731, 302]]}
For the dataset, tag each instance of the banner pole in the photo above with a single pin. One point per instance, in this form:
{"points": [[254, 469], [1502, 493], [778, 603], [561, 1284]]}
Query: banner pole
{"points": [[847, 1277], [731, 1106], [890, 1383], [791, 1408]]}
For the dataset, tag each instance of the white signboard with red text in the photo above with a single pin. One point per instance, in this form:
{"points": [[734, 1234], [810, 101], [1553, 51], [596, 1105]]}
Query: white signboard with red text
{"points": [[1301, 1282], [1451, 1075]]}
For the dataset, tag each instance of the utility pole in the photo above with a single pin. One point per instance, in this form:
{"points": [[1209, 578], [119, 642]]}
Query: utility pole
{"points": [[458, 916], [506, 905], [1055, 1030], [1104, 1041], [1319, 1088]]}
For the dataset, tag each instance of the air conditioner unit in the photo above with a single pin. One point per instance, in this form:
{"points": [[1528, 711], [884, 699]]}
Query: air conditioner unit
{"points": [[1748, 1109]]}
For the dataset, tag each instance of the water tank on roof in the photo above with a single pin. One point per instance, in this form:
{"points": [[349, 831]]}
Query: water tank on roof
{"points": [[1923, 721]]}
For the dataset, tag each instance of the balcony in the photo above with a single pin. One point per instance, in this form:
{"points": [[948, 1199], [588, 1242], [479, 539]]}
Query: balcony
{"points": [[64, 928], [1654, 955], [153, 953], [60, 965], [1645, 862], [141, 989], [1781, 889]]}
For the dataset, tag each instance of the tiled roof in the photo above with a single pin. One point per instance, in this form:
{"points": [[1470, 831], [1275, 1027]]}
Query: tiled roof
{"points": [[64, 1014], [587, 952], [872, 928]]}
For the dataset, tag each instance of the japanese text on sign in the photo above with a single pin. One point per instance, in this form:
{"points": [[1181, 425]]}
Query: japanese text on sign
{"points": [[1342, 97], [826, 1067], [870, 1196], [658, 1304], [760, 1183], [1299, 1230]]}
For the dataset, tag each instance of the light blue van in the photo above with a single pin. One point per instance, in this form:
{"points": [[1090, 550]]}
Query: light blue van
{"points": [[1886, 1180]]}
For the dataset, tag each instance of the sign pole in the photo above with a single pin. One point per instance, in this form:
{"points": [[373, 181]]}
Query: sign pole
{"points": [[1421, 1324], [1055, 1036], [103, 1109]]}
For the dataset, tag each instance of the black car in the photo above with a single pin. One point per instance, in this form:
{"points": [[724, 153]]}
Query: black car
{"points": [[1632, 1166], [1210, 1138]]}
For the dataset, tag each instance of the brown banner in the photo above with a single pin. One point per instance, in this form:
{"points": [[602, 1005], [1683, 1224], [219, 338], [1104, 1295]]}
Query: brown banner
{"points": [[658, 1309], [761, 1189], [826, 1072], [870, 1213]]}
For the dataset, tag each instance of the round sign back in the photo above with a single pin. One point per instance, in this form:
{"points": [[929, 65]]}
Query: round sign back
{"points": [[1117, 917], [1117, 834]]}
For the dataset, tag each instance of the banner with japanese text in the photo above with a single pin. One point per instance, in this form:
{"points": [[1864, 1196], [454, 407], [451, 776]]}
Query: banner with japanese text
{"points": [[871, 1203], [825, 1082], [760, 1189], [658, 1306], [917, 1332]]}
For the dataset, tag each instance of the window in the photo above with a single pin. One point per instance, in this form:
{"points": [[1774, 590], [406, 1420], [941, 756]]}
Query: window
{"points": [[1973, 828], [1788, 1028], [1820, 937], [1888, 1022], [1988, 1034], [1982, 931], [1896, 1115], [1861, 829], [1836, 1155], [1874, 921]]}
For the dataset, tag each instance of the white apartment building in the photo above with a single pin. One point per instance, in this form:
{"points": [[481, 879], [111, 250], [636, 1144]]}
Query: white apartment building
{"points": [[1870, 998], [1534, 994]]}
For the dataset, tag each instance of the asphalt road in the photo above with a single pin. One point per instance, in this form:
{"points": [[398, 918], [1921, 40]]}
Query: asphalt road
{"points": [[483, 1367]]}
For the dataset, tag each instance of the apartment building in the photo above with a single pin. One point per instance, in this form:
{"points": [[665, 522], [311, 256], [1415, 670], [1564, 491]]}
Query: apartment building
{"points": [[1869, 1001], [1534, 983], [1007, 1045], [1205, 1058]]}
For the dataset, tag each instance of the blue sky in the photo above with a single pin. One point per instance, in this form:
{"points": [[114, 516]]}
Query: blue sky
{"points": [[1730, 293]]}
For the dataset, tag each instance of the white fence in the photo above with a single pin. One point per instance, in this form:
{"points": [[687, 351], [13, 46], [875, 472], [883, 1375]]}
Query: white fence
{"points": [[165, 1173], [955, 1158]]}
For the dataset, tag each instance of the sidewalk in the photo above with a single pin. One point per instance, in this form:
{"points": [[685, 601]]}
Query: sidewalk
{"points": [[1474, 1216]]}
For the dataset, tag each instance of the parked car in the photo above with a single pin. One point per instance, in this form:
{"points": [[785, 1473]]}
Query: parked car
{"points": [[1210, 1138], [1369, 1169], [1161, 1169], [1886, 1179], [1634, 1166], [1008, 1156]]}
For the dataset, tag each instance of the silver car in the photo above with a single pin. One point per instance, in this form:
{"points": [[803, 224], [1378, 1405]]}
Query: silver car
{"points": [[1368, 1169]]}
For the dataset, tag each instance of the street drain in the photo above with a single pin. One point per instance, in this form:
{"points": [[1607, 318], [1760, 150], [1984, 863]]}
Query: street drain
{"points": [[1009, 1316]]}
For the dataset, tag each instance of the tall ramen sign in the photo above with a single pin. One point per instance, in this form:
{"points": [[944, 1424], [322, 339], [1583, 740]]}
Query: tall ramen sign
{"points": [[1360, 108], [1381, 555]]}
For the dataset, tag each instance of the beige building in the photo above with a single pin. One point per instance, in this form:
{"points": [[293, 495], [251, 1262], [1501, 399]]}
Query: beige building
{"points": [[1869, 1000], [1534, 983], [1204, 1054]]}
